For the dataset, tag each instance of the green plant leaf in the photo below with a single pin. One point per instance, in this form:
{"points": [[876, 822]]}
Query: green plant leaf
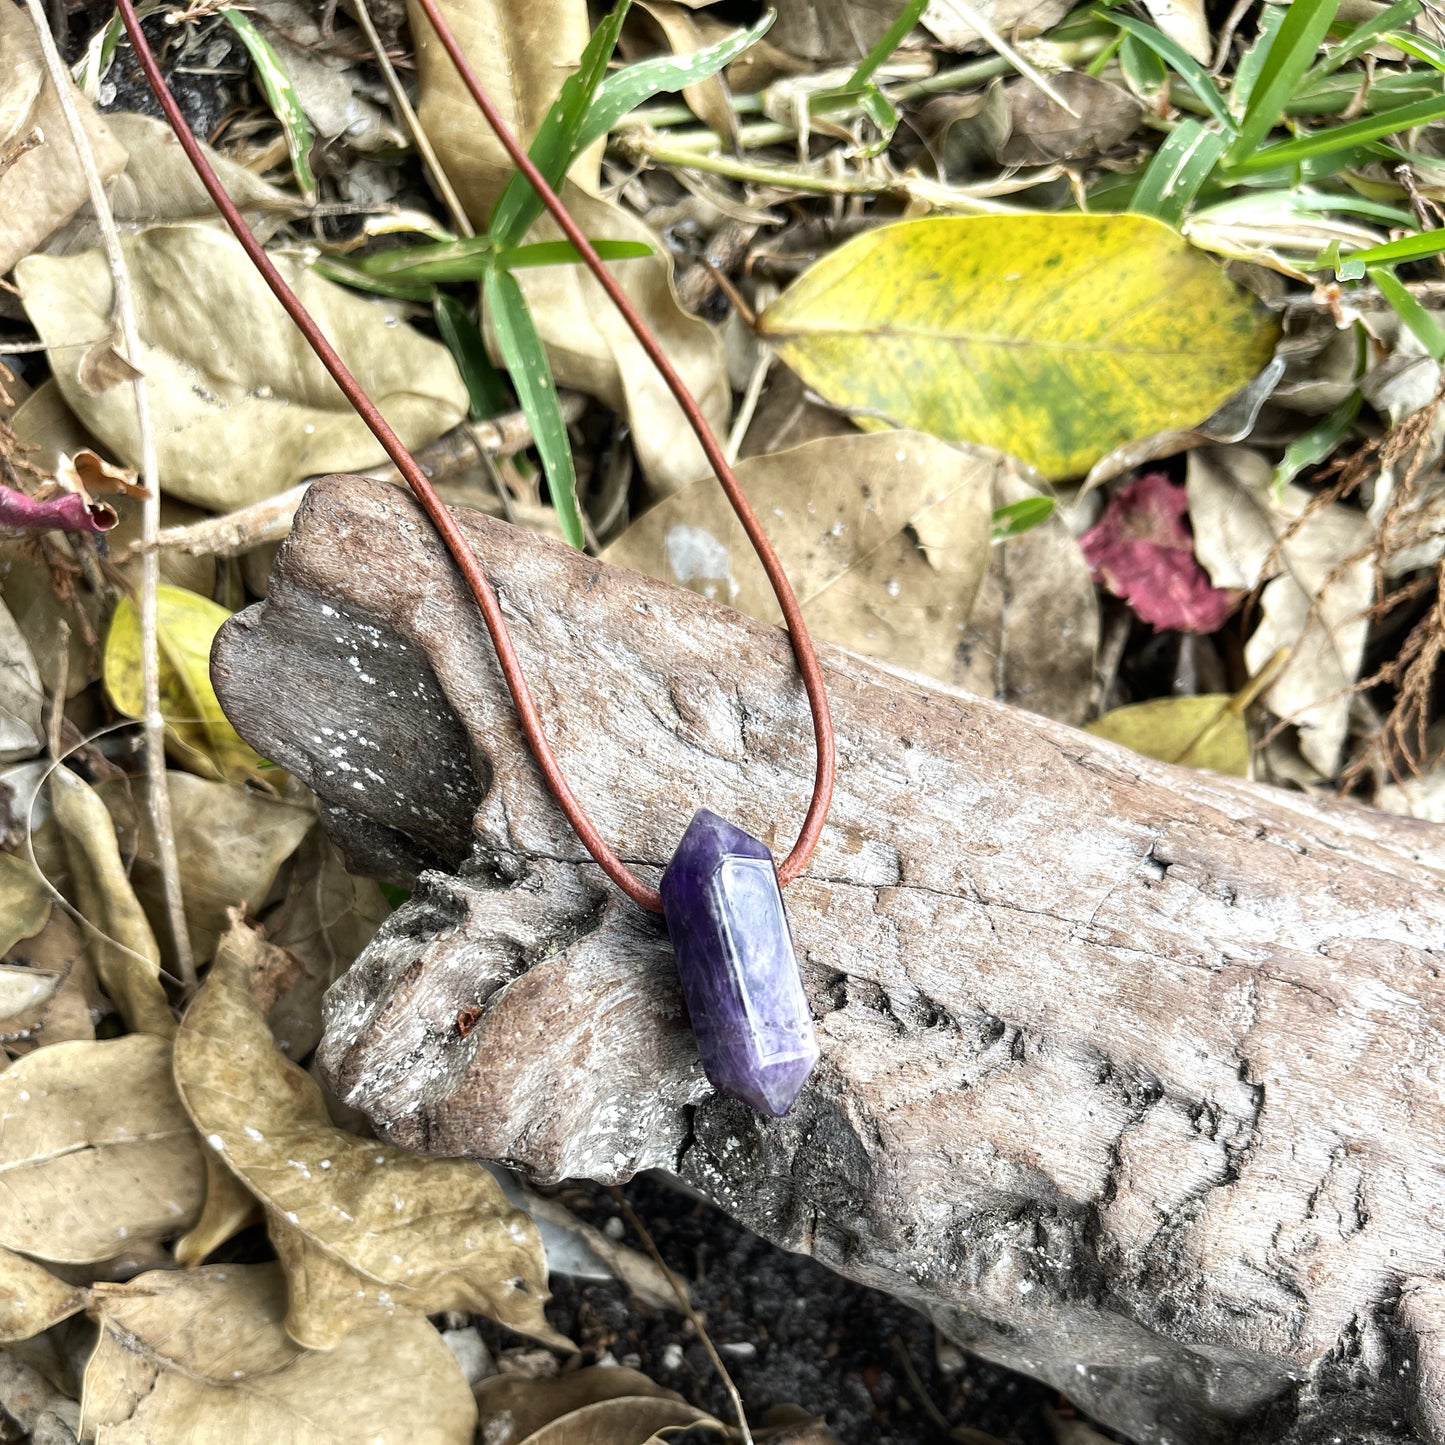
{"points": [[452, 262], [281, 97], [1055, 338], [630, 87], [1407, 248], [1178, 171], [485, 393], [197, 731], [526, 364], [1335, 139], [564, 253], [1366, 34], [1143, 70], [348, 273], [560, 139], [1421, 48], [1316, 443], [1425, 324], [1289, 53], [1019, 517], [1206, 731], [1174, 55]]}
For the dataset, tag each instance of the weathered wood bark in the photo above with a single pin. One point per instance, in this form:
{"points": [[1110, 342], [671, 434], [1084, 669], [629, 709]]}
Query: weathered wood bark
{"points": [[1132, 1076]]}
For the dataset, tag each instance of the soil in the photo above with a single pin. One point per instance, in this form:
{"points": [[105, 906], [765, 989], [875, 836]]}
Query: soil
{"points": [[790, 1331]]}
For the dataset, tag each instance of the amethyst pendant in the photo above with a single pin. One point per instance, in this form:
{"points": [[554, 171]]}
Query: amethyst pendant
{"points": [[735, 958]]}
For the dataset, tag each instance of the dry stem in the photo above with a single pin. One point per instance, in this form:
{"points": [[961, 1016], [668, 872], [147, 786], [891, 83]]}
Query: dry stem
{"points": [[153, 723]]}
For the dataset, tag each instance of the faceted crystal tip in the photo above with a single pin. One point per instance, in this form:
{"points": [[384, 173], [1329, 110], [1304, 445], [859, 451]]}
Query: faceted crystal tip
{"points": [[735, 959]]}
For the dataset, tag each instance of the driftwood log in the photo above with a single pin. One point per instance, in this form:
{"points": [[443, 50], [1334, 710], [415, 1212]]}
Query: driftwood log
{"points": [[1132, 1076]]}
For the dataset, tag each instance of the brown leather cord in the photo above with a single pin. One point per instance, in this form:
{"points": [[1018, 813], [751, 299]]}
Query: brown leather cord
{"points": [[481, 589]]}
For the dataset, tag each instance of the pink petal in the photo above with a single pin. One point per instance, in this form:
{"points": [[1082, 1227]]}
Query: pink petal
{"points": [[1141, 549]]}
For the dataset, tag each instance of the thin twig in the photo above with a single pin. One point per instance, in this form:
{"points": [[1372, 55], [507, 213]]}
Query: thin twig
{"points": [[412, 122], [153, 722], [685, 1300]]}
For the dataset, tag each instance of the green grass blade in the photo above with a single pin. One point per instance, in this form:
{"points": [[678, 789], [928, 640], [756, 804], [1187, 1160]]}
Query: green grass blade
{"points": [[282, 98], [486, 395], [1291, 52], [1316, 443], [1342, 137], [526, 364], [628, 88], [890, 40], [1179, 169], [1252, 61], [1407, 248], [564, 253], [1363, 36], [1426, 326], [560, 138], [1421, 48], [1174, 55], [348, 273], [452, 262]]}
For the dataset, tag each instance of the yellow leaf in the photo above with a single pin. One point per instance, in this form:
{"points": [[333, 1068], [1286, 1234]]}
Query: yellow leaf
{"points": [[200, 738], [1054, 338], [1200, 732]]}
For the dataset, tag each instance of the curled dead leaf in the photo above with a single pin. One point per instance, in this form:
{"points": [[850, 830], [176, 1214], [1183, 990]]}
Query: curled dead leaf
{"points": [[363, 1229], [202, 1356], [513, 1408], [127, 960], [97, 1152]]}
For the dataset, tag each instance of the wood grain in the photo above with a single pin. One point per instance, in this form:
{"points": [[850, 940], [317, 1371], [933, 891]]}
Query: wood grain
{"points": [[1132, 1076]]}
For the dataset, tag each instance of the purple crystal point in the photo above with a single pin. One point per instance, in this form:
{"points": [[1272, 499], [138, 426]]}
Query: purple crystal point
{"points": [[735, 958]]}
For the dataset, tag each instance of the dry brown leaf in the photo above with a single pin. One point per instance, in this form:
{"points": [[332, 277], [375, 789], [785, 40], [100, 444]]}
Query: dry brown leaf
{"points": [[230, 843], [626, 1421], [1185, 22], [1041, 130], [23, 990], [521, 54], [241, 411], [1035, 626], [951, 24], [832, 30], [364, 1229], [97, 1153], [591, 348], [884, 536], [1317, 587], [67, 1011], [327, 917], [160, 184], [118, 934], [45, 186], [513, 1407], [201, 1356], [21, 695], [32, 1299]]}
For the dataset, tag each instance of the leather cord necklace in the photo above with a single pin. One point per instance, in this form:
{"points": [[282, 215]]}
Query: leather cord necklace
{"points": [[721, 893]]}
